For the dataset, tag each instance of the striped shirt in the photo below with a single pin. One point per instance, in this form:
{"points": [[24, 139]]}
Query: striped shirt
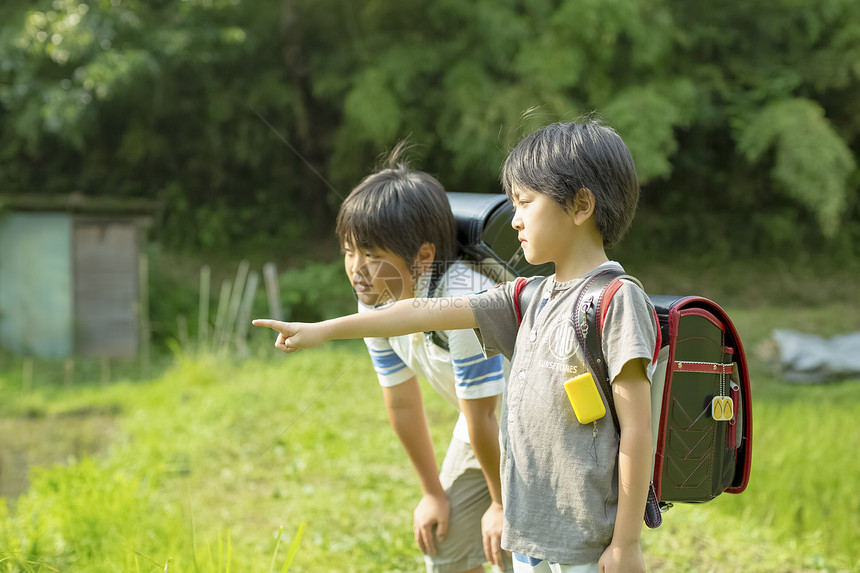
{"points": [[460, 372]]}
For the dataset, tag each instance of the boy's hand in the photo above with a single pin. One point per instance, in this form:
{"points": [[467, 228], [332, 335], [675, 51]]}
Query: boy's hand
{"points": [[431, 516], [622, 558], [491, 528], [293, 336]]}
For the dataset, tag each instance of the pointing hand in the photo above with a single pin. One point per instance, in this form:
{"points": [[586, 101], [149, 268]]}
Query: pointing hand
{"points": [[293, 336]]}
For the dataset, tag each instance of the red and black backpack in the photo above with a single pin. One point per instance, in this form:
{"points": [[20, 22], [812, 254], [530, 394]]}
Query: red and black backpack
{"points": [[701, 411]]}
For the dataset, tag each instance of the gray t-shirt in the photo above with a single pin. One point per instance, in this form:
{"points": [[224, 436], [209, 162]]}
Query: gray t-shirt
{"points": [[559, 478]]}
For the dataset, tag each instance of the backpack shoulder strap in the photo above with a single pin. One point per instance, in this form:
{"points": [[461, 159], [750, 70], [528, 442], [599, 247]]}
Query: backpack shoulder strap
{"points": [[437, 337], [525, 290], [588, 308], [591, 309]]}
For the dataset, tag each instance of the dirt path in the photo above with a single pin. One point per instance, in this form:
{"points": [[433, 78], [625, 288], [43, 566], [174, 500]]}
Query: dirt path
{"points": [[45, 442]]}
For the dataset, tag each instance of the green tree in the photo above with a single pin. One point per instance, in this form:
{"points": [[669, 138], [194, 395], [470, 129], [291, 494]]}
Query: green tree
{"points": [[732, 112], [252, 121], [157, 99]]}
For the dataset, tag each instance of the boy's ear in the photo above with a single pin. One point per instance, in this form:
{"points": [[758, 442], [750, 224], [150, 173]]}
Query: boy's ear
{"points": [[425, 257], [583, 206]]}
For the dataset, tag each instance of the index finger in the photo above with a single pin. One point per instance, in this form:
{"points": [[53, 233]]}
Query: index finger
{"points": [[267, 322]]}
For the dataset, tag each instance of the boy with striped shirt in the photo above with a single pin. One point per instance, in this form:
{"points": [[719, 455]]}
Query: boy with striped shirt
{"points": [[399, 241]]}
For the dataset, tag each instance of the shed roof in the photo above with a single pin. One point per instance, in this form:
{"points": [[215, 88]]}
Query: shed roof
{"points": [[79, 203]]}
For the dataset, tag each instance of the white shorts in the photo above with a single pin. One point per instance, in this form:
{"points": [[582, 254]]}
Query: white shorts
{"points": [[523, 564]]}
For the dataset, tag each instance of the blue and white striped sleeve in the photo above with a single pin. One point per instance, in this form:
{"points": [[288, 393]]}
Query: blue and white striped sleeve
{"points": [[475, 376], [390, 369]]}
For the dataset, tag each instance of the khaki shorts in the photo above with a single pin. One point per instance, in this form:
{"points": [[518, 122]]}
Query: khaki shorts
{"points": [[464, 482]]}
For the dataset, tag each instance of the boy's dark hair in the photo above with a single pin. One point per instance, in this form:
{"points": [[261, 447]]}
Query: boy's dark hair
{"points": [[398, 209], [562, 158]]}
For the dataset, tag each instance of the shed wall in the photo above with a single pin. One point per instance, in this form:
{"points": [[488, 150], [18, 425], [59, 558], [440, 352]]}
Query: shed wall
{"points": [[36, 315], [106, 290]]}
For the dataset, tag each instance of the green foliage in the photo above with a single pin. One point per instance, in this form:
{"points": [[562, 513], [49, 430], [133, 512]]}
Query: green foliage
{"points": [[829, 500], [309, 291], [317, 291], [95, 517], [88, 508], [646, 117], [812, 162], [174, 291], [371, 110], [155, 100], [745, 110]]}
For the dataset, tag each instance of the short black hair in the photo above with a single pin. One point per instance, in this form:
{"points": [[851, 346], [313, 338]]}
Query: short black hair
{"points": [[560, 159], [398, 209]]}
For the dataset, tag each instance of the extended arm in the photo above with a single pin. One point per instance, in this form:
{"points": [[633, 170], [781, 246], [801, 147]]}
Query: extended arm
{"points": [[632, 394], [403, 317]]}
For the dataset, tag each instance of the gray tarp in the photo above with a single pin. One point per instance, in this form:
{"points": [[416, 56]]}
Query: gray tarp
{"points": [[810, 359]]}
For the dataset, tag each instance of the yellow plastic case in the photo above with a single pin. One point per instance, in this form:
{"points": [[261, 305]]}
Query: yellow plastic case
{"points": [[585, 399]]}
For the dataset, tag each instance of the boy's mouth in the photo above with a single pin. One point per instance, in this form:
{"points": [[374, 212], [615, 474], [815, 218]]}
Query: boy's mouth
{"points": [[360, 286]]}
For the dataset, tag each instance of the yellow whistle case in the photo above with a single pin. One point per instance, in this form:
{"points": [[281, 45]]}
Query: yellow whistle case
{"points": [[585, 399]]}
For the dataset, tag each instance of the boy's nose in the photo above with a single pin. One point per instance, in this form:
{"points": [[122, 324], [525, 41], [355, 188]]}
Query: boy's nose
{"points": [[517, 222], [357, 262]]}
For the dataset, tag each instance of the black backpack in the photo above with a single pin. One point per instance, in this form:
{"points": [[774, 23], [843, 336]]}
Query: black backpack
{"points": [[700, 393], [486, 238]]}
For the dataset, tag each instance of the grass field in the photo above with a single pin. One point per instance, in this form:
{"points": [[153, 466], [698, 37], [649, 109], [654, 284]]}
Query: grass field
{"points": [[216, 466]]}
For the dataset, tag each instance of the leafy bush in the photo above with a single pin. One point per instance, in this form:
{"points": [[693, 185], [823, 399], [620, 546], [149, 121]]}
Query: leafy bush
{"points": [[317, 291]]}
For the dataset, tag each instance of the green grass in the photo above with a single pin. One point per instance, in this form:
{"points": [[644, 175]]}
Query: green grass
{"points": [[213, 448], [216, 466]]}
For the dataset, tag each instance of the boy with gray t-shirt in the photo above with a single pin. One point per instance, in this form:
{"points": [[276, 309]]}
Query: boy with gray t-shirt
{"points": [[559, 477], [574, 495]]}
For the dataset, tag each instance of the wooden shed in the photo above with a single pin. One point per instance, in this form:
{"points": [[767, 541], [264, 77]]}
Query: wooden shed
{"points": [[70, 275]]}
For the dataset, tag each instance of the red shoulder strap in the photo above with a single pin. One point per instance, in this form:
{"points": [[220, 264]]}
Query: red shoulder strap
{"points": [[607, 298], [519, 285], [659, 344], [604, 308]]}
